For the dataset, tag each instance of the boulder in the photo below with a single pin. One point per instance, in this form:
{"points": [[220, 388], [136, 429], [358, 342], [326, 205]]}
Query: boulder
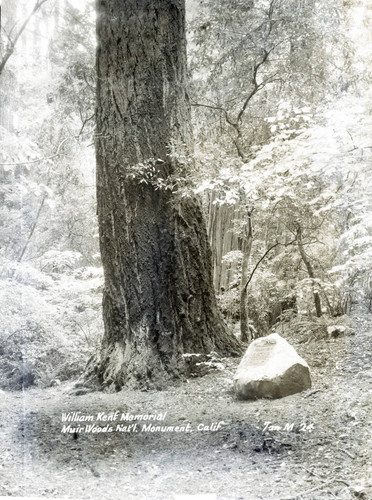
{"points": [[271, 368]]}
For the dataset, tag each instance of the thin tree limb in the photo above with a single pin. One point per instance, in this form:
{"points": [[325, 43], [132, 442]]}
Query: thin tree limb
{"points": [[84, 123], [263, 257], [23, 251], [11, 45], [57, 153], [219, 108]]}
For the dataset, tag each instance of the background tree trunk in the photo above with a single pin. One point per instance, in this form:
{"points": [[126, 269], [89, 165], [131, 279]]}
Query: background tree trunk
{"points": [[159, 301], [247, 250], [310, 272]]}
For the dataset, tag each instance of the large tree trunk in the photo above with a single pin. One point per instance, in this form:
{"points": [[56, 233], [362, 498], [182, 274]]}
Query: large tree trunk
{"points": [[158, 300]]}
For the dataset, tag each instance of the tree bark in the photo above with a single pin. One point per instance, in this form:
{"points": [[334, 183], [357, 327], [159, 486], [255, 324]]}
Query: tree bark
{"points": [[159, 301]]}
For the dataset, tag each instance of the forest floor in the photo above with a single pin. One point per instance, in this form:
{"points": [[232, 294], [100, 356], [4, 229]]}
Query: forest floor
{"points": [[324, 455]]}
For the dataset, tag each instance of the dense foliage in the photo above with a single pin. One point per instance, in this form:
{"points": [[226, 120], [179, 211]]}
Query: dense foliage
{"points": [[50, 268], [282, 140]]}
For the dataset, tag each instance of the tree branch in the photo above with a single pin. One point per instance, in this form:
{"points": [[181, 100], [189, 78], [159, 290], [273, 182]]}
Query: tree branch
{"points": [[84, 123], [219, 108], [256, 87], [263, 257], [23, 251], [57, 153], [11, 45]]}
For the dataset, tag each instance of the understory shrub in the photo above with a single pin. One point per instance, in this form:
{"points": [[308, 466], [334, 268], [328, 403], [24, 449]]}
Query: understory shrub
{"points": [[47, 333]]}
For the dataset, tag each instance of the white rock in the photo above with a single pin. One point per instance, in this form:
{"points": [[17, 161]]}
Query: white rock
{"points": [[271, 368], [336, 330]]}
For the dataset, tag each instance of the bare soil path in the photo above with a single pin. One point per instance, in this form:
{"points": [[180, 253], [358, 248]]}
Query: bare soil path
{"points": [[324, 454]]}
